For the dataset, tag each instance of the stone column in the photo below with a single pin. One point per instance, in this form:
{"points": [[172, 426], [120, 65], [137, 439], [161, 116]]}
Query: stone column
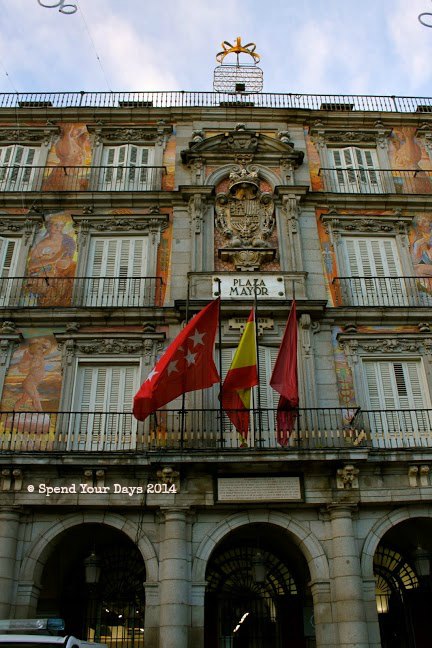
{"points": [[348, 603], [322, 610], [174, 581], [9, 527], [151, 623], [197, 614]]}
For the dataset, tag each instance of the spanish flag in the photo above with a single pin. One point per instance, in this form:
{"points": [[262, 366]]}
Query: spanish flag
{"points": [[241, 376]]}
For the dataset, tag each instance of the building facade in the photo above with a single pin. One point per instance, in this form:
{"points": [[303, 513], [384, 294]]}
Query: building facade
{"points": [[122, 215]]}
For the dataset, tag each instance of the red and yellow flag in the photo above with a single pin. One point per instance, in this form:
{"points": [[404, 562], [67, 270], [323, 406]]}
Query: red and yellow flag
{"points": [[241, 377]]}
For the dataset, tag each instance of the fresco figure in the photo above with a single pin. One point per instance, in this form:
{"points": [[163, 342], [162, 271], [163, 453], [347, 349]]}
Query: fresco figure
{"points": [[32, 365], [71, 150], [53, 256]]}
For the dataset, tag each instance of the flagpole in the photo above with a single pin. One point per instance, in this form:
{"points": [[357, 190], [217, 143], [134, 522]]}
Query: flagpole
{"points": [[298, 410], [182, 420], [258, 369], [221, 439]]}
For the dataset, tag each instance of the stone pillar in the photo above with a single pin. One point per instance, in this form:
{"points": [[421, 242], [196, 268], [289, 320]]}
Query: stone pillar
{"points": [[369, 586], [197, 611], [174, 581], [348, 603], [9, 527], [325, 631], [151, 623]]}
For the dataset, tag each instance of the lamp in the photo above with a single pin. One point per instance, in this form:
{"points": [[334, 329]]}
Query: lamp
{"points": [[92, 567], [421, 558], [259, 569]]}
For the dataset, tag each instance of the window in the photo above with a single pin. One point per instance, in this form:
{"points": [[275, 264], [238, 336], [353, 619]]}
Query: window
{"points": [[398, 395], [127, 168], [102, 418], [17, 167], [374, 272], [9, 252], [355, 170], [116, 272]]}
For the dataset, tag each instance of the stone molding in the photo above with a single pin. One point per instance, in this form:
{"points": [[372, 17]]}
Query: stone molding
{"points": [[28, 135], [338, 224], [362, 344], [141, 135], [324, 136]]}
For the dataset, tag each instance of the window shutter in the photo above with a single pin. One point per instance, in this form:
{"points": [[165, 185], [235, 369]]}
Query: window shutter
{"points": [[356, 169], [9, 252], [103, 397], [29, 161], [376, 258], [5, 158], [395, 386]]}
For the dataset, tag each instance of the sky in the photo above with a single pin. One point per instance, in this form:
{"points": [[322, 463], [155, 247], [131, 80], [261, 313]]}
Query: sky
{"points": [[306, 46]]}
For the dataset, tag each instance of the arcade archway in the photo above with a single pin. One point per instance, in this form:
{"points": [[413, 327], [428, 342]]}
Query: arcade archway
{"points": [[257, 594], [94, 580]]}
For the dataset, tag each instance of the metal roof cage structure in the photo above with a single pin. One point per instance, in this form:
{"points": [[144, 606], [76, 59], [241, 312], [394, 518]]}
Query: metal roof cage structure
{"points": [[238, 78]]}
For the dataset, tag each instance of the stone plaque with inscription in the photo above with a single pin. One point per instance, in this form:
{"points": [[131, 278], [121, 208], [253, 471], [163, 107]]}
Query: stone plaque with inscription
{"points": [[259, 489], [245, 285]]}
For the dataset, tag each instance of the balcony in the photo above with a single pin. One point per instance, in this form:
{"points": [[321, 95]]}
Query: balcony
{"points": [[376, 181], [80, 292], [81, 178], [46, 101], [192, 430], [383, 291]]}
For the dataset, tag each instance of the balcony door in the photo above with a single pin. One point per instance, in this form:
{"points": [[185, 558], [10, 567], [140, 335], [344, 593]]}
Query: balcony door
{"points": [[116, 272], [125, 168], [17, 172], [398, 396], [9, 252], [102, 418], [355, 170], [374, 272]]}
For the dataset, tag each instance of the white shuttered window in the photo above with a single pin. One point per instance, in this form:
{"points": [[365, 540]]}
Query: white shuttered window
{"points": [[356, 170], [397, 391], [116, 271], [126, 168], [375, 272], [103, 405], [9, 251], [17, 172]]}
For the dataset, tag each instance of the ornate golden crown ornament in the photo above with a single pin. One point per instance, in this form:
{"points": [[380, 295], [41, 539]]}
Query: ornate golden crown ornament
{"points": [[237, 48]]}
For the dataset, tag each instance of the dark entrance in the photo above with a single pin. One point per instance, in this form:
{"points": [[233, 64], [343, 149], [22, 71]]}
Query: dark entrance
{"points": [[106, 601], [256, 594], [404, 585]]}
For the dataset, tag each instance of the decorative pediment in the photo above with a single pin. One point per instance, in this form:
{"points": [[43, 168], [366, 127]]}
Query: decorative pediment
{"points": [[364, 344], [28, 135], [324, 135], [365, 224], [142, 223], [242, 145], [141, 135], [424, 133]]}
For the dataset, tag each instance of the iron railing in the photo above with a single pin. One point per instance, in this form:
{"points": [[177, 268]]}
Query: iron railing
{"points": [[376, 181], [383, 291], [81, 178], [205, 429], [80, 292], [184, 99]]}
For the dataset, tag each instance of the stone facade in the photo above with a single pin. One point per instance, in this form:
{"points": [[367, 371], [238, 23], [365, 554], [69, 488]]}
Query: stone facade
{"points": [[126, 224]]}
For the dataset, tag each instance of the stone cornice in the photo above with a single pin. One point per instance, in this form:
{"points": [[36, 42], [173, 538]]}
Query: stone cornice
{"points": [[143, 223], [28, 134], [386, 343], [130, 133], [331, 135]]}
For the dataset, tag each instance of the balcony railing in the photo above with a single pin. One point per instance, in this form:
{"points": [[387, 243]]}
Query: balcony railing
{"points": [[80, 292], [184, 430], [383, 291], [81, 178], [376, 181], [136, 100]]}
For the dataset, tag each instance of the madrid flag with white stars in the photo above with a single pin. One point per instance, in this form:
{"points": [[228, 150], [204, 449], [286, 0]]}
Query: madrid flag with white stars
{"points": [[185, 366]]}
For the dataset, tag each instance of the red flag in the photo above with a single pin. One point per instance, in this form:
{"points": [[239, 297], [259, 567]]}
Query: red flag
{"points": [[285, 381], [185, 366], [241, 376]]}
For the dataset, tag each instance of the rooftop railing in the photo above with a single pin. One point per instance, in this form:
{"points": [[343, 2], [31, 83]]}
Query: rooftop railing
{"points": [[81, 178], [376, 181], [383, 291], [183, 99], [205, 429], [79, 292]]}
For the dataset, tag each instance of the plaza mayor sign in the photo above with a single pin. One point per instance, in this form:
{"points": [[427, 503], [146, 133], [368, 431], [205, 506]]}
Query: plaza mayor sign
{"points": [[245, 286]]}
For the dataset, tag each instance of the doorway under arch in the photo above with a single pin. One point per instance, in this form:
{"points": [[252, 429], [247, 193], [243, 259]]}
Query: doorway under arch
{"points": [[94, 580], [257, 594]]}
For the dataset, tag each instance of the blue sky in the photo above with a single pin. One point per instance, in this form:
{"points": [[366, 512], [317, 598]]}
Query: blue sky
{"points": [[312, 46]]}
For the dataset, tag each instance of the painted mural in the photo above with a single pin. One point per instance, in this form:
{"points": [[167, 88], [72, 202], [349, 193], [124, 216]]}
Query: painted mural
{"points": [[71, 150], [52, 263]]}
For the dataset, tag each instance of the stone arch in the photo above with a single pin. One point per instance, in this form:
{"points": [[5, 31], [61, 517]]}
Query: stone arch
{"points": [[39, 551], [308, 544], [223, 172], [381, 527]]}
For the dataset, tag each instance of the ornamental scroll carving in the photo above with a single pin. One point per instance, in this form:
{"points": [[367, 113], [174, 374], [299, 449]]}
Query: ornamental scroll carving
{"points": [[110, 346], [415, 344], [245, 216]]}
